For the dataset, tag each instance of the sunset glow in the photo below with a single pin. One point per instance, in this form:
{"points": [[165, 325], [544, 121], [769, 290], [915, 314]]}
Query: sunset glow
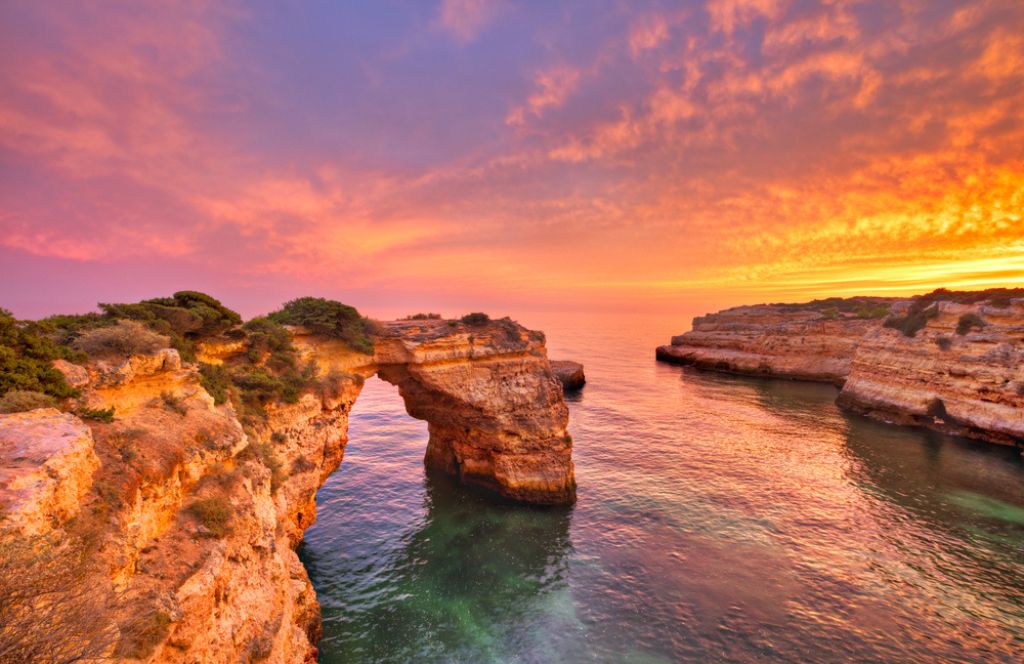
{"points": [[488, 154]]}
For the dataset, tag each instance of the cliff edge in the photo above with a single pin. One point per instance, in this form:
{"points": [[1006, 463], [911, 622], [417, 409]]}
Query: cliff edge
{"points": [[948, 361]]}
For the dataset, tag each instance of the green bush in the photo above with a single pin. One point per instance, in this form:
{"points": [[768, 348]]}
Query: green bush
{"points": [[214, 513], [216, 380], [968, 322], [328, 318], [430, 316], [19, 401], [830, 313], [476, 318], [121, 340], [185, 317], [867, 311], [914, 321], [26, 359], [97, 414]]}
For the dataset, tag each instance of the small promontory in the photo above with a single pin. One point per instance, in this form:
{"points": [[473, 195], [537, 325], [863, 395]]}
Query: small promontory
{"points": [[949, 361]]}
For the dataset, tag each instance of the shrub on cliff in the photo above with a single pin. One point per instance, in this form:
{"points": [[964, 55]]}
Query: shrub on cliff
{"points": [[914, 321], [430, 316], [26, 359], [185, 317], [19, 401], [476, 318], [968, 322], [328, 318], [830, 313], [214, 514], [126, 338], [866, 311], [216, 380]]}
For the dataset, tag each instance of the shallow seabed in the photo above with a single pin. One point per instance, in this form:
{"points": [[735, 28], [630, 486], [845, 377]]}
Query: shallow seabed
{"points": [[719, 518]]}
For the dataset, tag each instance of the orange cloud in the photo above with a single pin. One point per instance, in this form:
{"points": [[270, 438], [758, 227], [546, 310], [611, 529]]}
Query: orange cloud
{"points": [[553, 87], [648, 33]]}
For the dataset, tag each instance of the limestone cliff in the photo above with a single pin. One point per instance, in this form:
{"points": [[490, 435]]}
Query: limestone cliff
{"points": [[172, 529], [957, 377], [771, 340], [953, 362]]}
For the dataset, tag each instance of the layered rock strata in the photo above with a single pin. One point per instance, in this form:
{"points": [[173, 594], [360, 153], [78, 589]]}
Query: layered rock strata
{"points": [[769, 340], [967, 383], [172, 530], [952, 367], [570, 374]]}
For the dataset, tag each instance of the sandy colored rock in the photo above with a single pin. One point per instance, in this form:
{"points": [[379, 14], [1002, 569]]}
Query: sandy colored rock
{"points": [[569, 373], [769, 340], [495, 411], [965, 384], [968, 382], [46, 467], [234, 590]]}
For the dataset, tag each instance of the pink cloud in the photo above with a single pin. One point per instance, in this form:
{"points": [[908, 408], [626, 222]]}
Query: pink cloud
{"points": [[466, 19]]}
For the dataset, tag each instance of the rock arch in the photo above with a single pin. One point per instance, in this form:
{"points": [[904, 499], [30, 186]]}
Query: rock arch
{"points": [[495, 412]]}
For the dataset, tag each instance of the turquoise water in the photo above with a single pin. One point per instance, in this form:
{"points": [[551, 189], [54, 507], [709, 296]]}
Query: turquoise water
{"points": [[719, 518]]}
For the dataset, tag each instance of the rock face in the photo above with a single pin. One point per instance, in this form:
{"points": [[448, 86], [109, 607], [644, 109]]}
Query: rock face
{"points": [[770, 340], [46, 467], [494, 409], [962, 371], [969, 384], [570, 374], [178, 525]]}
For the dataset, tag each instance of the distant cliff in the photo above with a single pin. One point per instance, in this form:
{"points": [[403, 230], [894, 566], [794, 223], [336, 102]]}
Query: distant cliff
{"points": [[949, 361]]}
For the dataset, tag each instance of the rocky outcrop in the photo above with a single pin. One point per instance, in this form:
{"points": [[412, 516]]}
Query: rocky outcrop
{"points": [[46, 466], [953, 362], [570, 374], [172, 529], [968, 383], [494, 409], [771, 340]]}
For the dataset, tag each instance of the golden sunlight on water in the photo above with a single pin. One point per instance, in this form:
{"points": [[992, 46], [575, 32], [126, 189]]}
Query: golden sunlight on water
{"points": [[719, 518]]}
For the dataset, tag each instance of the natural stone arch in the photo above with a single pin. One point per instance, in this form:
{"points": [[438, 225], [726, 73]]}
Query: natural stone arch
{"points": [[495, 411]]}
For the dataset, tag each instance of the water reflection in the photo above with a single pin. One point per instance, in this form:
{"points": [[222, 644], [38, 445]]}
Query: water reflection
{"points": [[474, 581], [720, 518]]}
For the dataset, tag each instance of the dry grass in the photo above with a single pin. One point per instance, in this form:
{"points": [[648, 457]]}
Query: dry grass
{"points": [[126, 338]]}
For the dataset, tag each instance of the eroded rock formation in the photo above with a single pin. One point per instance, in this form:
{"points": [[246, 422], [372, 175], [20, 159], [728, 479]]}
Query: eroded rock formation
{"points": [[188, 521], [570, 374], [969, 383], [949, 366], [770, 340]]}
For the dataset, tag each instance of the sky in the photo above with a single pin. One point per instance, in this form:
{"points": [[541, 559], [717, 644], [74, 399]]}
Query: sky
{"points": [[508, 155]]}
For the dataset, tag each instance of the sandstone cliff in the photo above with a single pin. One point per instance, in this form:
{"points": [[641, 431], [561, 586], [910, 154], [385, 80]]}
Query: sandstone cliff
{"points": [[947, 361], [570, 374], [954, 377], [771, 340], [171, 530]]}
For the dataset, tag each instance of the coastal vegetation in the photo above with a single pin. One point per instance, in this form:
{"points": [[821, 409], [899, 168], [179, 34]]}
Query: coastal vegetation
{"points": [[476, 318], [26, 359], [968, 322], [268, 370], [328, 318]]}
